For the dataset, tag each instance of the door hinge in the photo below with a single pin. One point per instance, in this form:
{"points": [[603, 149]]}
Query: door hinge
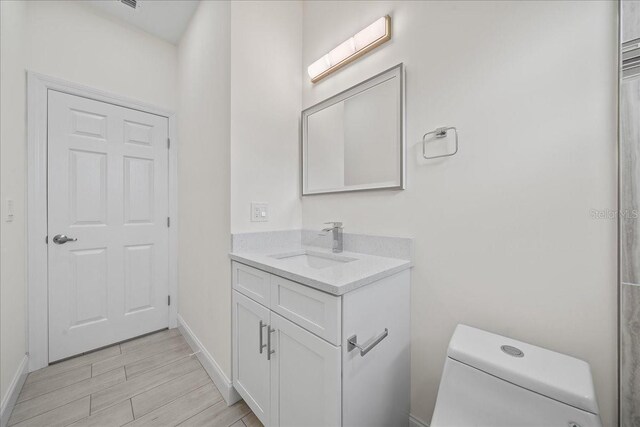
{"points": [[168, 143], [168, 221], [168, 299], [46, 240]]}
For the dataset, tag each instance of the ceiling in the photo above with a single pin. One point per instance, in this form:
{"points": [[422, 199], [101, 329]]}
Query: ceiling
{"points": [[166, 19]]}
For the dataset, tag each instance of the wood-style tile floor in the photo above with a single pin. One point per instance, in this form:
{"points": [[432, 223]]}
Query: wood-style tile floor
{"points": [[150, 381]]}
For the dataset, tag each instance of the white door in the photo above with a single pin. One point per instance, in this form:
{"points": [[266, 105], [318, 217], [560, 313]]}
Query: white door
{"points": [[250, 350], [305, 378], [107, 190]]}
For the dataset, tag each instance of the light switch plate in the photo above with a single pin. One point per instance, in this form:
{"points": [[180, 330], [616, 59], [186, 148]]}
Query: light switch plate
{"points": [[9, 215], [259, 212]]}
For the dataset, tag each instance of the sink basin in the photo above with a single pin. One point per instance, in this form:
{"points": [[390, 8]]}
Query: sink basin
{"points": [[312, 259]]}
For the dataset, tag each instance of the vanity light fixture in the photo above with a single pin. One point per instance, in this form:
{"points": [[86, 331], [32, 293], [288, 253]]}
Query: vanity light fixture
{"points": [[364, 41]]}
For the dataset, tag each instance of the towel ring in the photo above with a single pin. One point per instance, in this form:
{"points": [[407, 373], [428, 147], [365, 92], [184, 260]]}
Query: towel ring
{"points": [[439, 133]]}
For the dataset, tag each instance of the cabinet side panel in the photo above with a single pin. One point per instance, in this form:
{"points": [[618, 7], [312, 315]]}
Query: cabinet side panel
{"points": [[376, 386]]}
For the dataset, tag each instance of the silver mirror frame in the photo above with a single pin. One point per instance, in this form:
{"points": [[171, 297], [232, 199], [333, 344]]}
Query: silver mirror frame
{"points": [[395, 71]]}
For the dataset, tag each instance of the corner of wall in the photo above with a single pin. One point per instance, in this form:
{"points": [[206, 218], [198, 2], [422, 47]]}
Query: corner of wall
{"points": [[13, 293], [204, 180], [13, 391]]}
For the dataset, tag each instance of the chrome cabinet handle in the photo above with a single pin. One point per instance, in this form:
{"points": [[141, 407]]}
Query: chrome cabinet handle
{"points": [[269, 351], [61, 239], [262, 325], [365, 348]]}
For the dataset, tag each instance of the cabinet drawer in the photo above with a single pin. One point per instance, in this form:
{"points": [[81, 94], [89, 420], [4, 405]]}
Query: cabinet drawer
{"points": [[251, 282], [315, 311]]}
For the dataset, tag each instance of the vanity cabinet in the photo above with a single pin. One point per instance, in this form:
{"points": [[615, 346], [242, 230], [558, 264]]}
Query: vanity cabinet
{"points": [[292, 362], [285, 374]]}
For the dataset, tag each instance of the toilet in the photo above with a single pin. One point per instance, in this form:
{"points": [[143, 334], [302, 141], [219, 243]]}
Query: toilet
{"points": [[493, 381]]}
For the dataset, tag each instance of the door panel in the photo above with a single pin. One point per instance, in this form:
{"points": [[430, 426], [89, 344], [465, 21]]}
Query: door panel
{"points": [[305, 378], [87, 188], [138, 133], [89, 282], [85, 123], [250, 366], [138, 191], [139, 278], [108, 188]]}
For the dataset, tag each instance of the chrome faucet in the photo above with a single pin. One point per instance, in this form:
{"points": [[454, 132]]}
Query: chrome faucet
{"points": [[336, 229]]}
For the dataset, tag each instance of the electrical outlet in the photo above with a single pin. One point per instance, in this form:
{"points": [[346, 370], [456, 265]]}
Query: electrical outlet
{"points": [[259, 212]]}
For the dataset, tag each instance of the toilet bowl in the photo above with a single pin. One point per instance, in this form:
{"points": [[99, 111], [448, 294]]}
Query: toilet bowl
{"points": [[494, 381]]}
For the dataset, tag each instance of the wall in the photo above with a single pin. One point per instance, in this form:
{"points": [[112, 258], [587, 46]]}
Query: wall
{"points": [[266, 54], [204, 170], [504, 238], [72, 41], [13, 16]]}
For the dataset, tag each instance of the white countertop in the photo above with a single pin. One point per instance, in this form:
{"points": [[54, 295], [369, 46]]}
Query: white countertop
{"points": [[335, 279]]}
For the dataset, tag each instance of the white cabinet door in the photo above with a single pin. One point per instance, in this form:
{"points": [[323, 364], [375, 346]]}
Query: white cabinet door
{"points": [[250, 364], [107, 188], [305, 378]]}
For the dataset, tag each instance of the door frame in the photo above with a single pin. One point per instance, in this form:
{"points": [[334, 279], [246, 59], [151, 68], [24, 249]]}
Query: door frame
{"points": [[38, 86]]}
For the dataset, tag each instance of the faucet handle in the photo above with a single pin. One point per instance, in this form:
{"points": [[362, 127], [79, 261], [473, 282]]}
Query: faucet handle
{"points": [[336, 224]]}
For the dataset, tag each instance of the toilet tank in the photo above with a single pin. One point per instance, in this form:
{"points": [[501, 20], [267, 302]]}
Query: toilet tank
{"points": [[493, 381]]}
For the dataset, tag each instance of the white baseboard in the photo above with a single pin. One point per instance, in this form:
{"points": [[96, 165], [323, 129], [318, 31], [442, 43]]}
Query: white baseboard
{"points": [[218, 377], [416, 422], [13, 391]]}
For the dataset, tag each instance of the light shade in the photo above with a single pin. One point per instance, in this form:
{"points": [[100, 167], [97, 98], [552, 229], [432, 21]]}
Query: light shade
{"points": [[364, 41]]}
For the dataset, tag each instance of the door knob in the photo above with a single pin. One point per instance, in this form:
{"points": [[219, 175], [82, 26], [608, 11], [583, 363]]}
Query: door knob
{"points": [[61, 239]]}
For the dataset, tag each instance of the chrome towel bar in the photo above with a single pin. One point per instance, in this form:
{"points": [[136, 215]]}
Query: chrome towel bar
{"points": [[439, 133], [368, 346]]}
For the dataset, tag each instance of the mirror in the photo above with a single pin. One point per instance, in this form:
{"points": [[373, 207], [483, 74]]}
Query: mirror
{"points": [[355, 140]]}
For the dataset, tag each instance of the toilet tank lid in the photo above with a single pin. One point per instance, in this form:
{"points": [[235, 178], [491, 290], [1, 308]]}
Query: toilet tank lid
{"points": [[555, 375]]}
